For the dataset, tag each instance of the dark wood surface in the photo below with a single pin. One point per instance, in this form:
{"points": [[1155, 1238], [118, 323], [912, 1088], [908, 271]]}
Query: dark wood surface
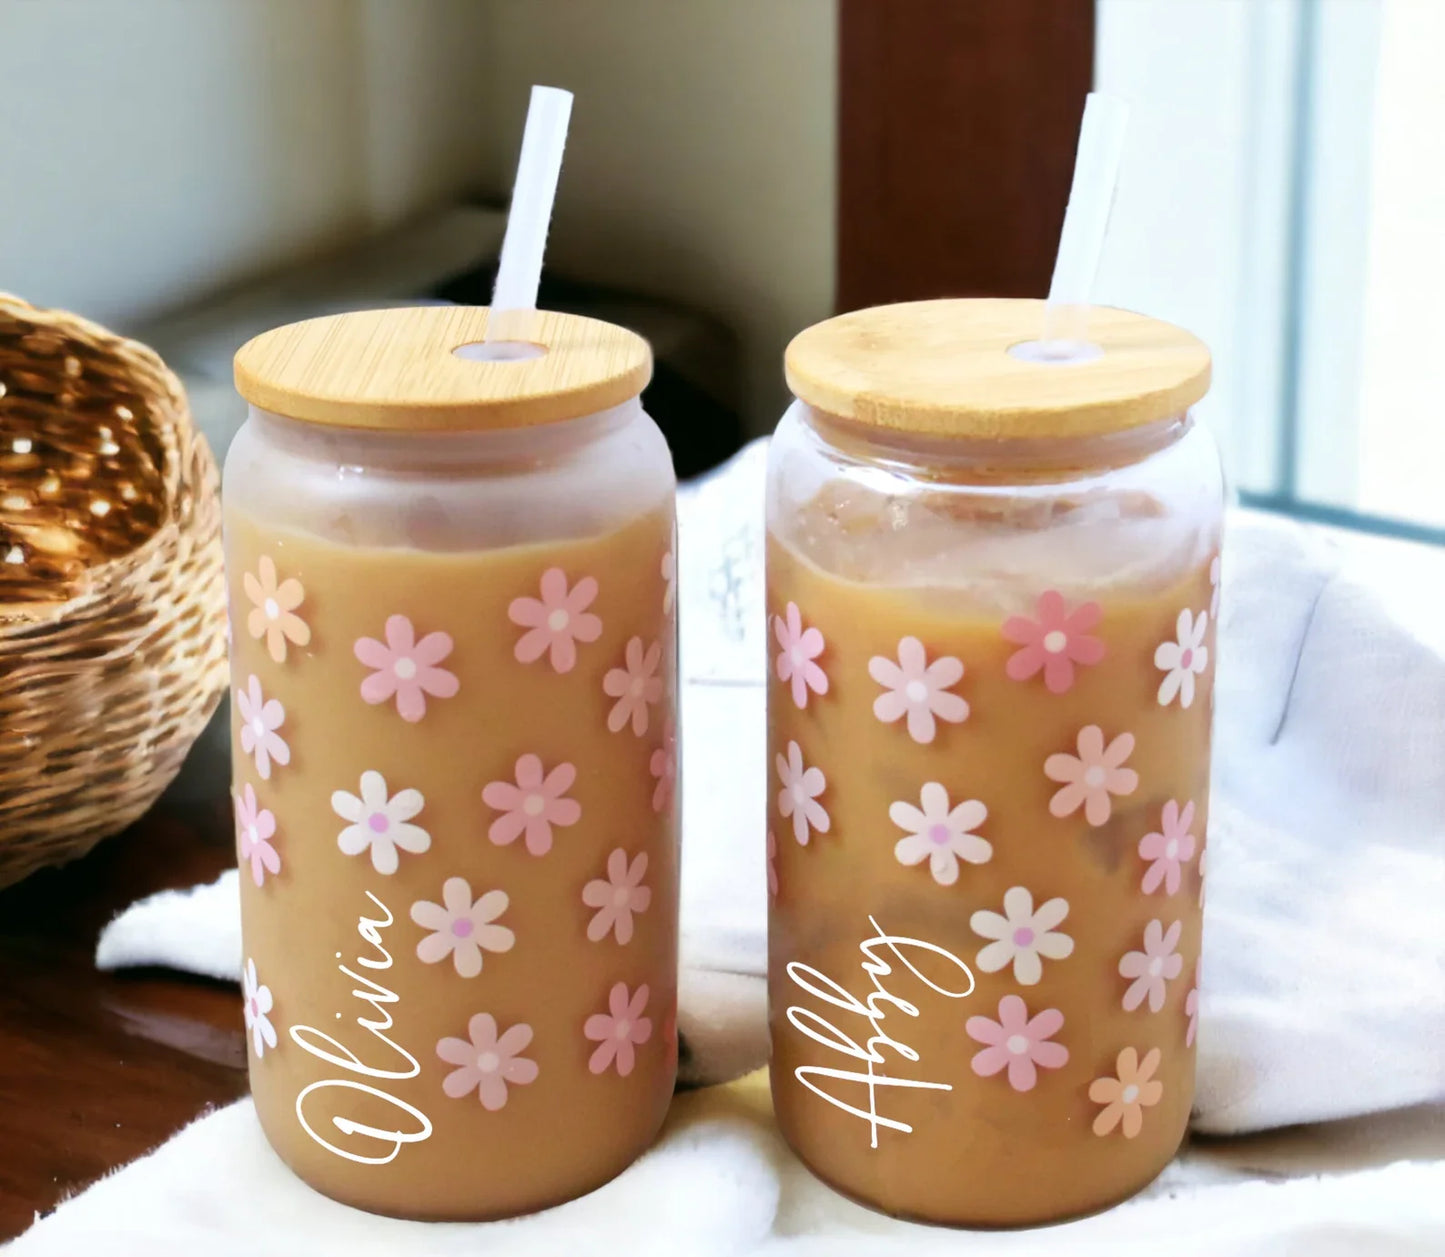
{"points": [[97, 1069], [957, 126]]}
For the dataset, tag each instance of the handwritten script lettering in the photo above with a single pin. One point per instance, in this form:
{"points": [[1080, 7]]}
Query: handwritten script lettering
{"points": [[826, 1082], [395, 1062]]}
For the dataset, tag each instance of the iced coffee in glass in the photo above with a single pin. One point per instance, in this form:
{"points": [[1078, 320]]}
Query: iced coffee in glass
{"points": [[454, 705], [993, 594]]}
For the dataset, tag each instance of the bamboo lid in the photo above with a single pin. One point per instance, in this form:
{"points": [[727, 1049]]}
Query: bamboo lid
{"points": [[396, 369], [943, 368]]}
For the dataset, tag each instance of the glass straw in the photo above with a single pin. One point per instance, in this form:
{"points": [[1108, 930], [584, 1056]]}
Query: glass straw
{"points": [[1091, 197], [519, 271]]}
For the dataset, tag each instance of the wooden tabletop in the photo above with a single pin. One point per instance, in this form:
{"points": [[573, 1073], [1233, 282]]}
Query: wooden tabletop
{"points": [[97, 1069]]}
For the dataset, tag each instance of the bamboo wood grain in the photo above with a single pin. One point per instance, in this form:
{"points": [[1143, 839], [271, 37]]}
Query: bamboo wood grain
{"points": [[396, 369], [943, 368]]}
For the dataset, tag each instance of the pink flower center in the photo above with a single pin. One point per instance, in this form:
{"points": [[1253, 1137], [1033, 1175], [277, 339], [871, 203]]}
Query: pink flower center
{"points": [[938, 833], [1186, 657], [1017, 1044], [534, 804], [377, 822], [916, 691], [487, 1062], [1023, 936], [558, 620], [254, 1007], [404, 668], [623, 1028], [272, 608], [1094, 776], [1171, 849], [1055, 641], [1129, 1094], [1156, 967], [462, 928]]}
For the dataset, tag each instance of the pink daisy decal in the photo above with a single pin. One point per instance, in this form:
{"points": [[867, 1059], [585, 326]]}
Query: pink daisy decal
{"points": [[556, 621], [461, 927], [915, 688], [255, 827], [273, 609], [772, 866], [1053, 642], [1092, 776], [1126, 1097], [617, 896], [1153, 967], [635, 687], [1169, 850], [487, 1062], [798, 797], [1017, 1043], [941, 834], [533, 805], [260, 718], [663, 766], [798, 648], [405, 668], [617, 1031], [1191, 1005]]}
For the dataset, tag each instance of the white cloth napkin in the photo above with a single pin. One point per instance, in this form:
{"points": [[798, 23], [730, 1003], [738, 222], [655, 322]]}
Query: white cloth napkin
{"points": [[1324, 961]]}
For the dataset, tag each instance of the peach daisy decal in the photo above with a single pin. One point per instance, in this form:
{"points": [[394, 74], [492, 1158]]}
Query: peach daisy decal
{"points": [[1092, 776], [556, 621], [273, 609], [1126, 1095]]}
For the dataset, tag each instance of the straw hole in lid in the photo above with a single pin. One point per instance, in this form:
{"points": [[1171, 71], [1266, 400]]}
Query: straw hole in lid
{"points": [[1056, 353], [499, 351]]}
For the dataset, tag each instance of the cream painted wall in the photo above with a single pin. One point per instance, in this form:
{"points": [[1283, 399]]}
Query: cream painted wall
{"points": [[701, 159], [155, 150]]}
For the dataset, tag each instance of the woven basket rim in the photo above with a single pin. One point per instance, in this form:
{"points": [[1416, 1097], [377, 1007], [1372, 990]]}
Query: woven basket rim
{"points": [[170, 407]]}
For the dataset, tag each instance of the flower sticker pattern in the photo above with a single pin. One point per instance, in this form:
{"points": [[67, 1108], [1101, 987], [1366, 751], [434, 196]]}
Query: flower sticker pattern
{"points": [[461, 927], [915, 688], [379, 822], [798, 797], [663, 766], [1182, 660], [273, 609], [533, 805], [1022, 935], [772, 865], [1153, 967], [260, 718], [940, 834], [1092, 776], [669, 579], [617, 896], [1168, 850], [619, 1030], [797, 649], [556, 621], [1053, 642], [1017, 1043], [487, 1062], [255, 827], [636, 686], [1191, 1005], [1128, 1094], [256, 1004], [405, 668]]}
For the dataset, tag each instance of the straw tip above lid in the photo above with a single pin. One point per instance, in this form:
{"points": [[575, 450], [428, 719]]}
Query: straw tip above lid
{"points": [[944, 368], [397, 369]]}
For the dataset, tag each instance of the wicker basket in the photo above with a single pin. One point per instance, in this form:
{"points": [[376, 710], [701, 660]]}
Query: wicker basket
{"points": [[112, 600]]}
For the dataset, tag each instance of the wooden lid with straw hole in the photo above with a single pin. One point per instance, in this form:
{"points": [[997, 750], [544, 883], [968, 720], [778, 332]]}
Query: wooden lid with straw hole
{"points": [[396, 370], [943, 368]]}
